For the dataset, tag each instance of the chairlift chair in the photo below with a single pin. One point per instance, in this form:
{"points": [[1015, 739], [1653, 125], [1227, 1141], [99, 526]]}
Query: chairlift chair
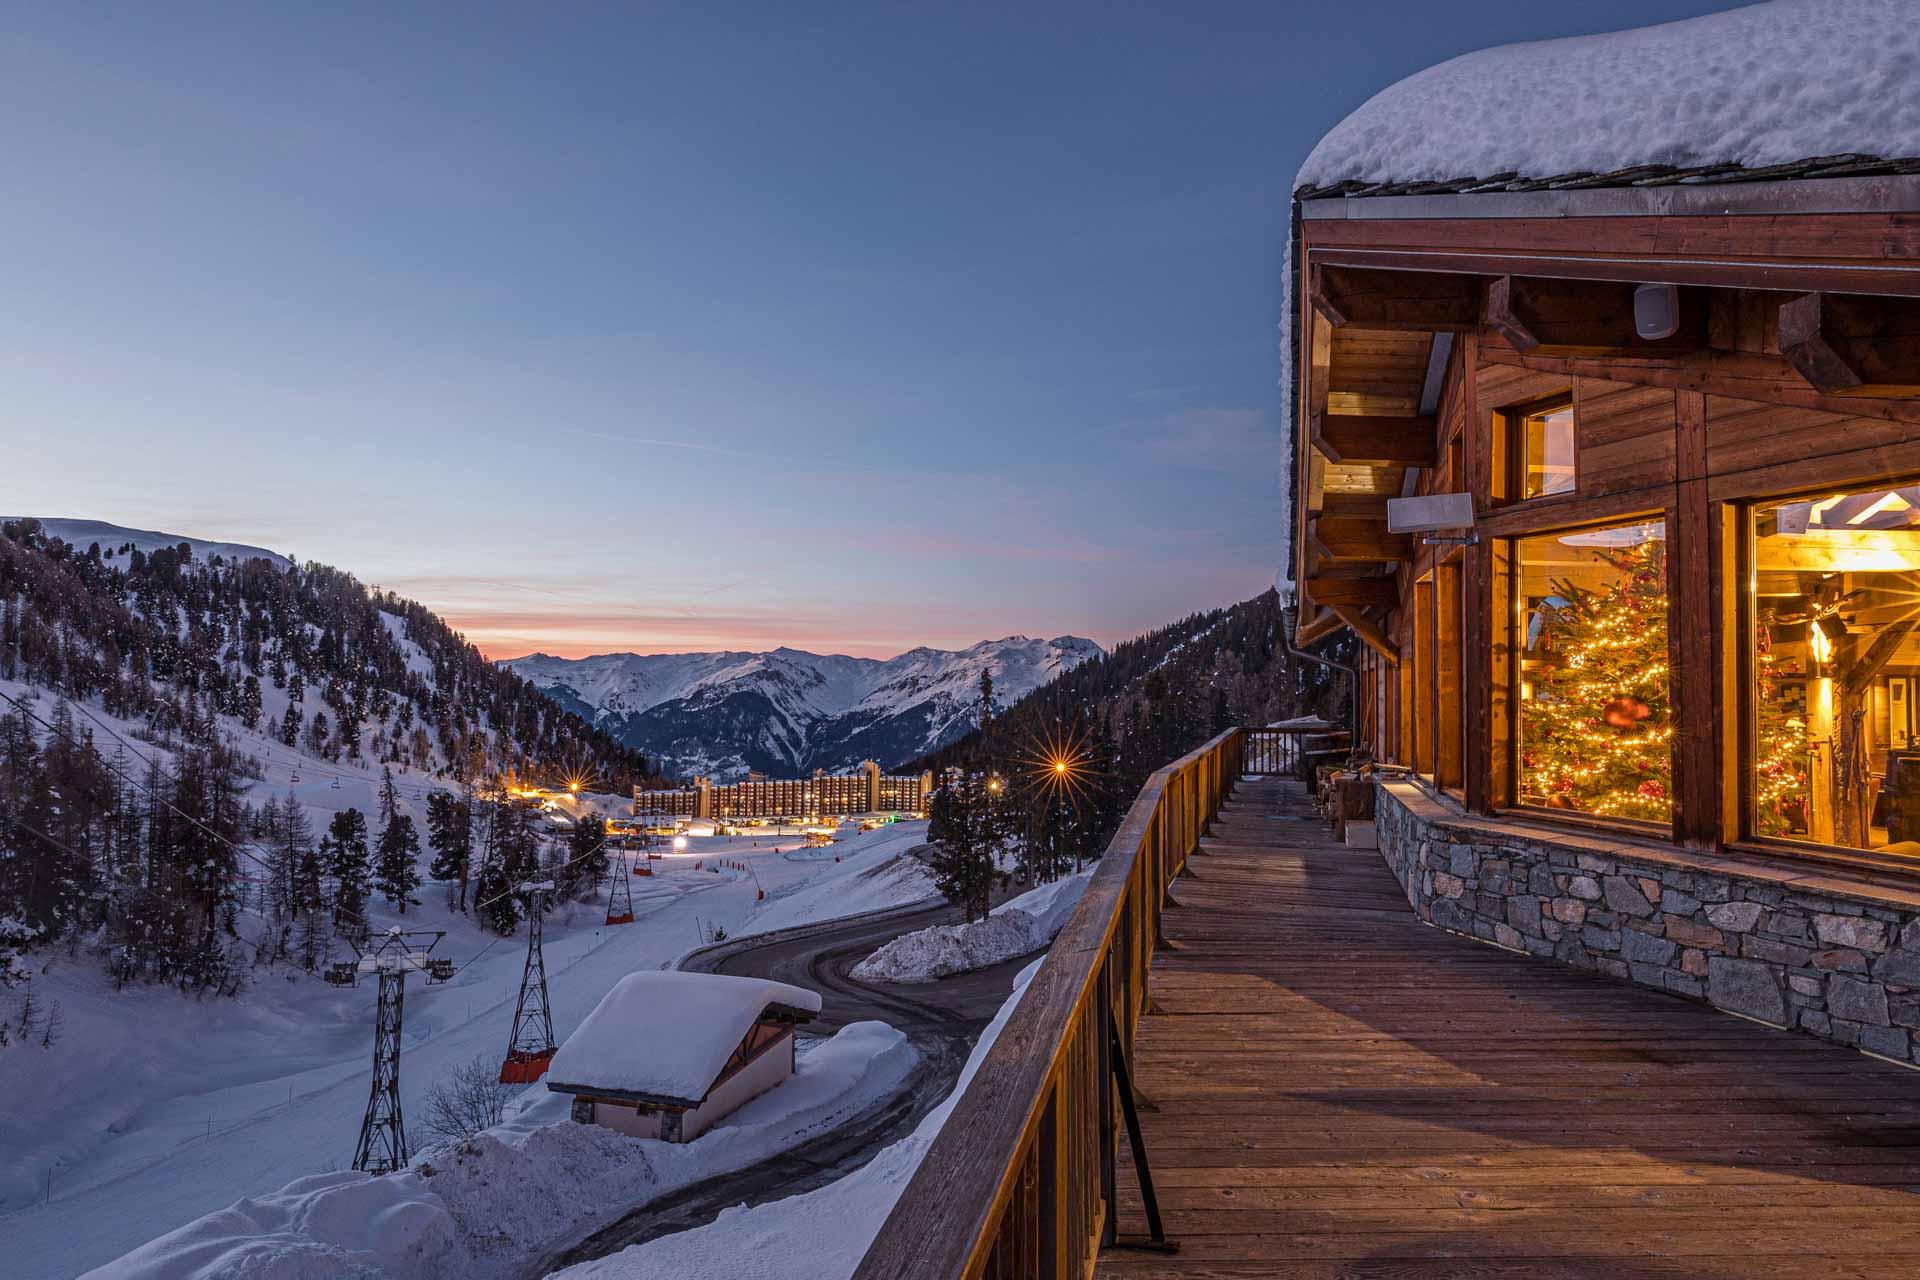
{"points": [[439, 969], [342, 973]]}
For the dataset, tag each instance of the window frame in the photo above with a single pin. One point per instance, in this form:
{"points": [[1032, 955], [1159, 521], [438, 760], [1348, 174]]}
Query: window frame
{"points": [[1510, 471]]}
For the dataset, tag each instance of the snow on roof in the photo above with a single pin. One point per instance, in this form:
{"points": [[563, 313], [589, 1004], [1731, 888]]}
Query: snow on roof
{"points": [[1815, 86], [667, 1034]]}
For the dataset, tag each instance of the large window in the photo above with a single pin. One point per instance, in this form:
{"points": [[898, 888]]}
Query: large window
{"points": [[1591, 712], [1833, 660]]}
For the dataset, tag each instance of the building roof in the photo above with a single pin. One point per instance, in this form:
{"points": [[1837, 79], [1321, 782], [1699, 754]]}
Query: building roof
{"points": [[1787, 89], [665, 1036]]}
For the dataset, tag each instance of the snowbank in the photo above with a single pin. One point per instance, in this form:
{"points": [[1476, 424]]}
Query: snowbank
{"points": [[1017, 927], [818, 1235], [1763, 85], [668, 1034], [466, 1211]]}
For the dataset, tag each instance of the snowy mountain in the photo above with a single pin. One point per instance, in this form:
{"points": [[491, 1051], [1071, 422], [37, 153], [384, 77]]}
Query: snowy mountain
{"points": [[80, 534], [788, 711]]}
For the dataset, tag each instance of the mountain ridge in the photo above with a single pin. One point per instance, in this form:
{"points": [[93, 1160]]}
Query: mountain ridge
{"points": [[724, 713]]}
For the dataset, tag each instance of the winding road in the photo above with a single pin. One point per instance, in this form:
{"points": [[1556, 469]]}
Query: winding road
{"points": [[942, 1019]]}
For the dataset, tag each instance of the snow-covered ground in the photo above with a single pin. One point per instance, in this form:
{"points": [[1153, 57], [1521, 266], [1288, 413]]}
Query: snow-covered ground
{"points": [[1017, 927], [818, 1235], [154, 1108], [465, 1210]]}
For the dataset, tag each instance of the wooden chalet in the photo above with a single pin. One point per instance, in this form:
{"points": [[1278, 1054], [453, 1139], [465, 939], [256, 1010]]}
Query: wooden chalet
{"points": [[667, 1054], [1606, 476]]}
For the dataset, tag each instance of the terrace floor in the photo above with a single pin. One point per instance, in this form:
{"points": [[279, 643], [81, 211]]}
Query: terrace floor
{"points": [[1342, 1090]]}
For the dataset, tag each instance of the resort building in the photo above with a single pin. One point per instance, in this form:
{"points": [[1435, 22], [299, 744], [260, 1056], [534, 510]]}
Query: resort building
{"points": [[821, 795]]}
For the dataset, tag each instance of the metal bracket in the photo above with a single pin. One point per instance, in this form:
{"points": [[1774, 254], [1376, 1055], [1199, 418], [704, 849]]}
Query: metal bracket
{"points": [[1156, 1240]]}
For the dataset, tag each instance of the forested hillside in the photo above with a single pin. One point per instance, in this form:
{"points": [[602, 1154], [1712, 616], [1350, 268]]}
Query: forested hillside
{"points": [[210, 666], [1152, 699]]}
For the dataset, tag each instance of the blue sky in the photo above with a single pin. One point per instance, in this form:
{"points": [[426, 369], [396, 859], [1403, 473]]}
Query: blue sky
{"points": [[664, 327]]}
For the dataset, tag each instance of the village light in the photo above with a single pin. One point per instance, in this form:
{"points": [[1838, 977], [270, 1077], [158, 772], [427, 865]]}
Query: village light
{"points": [[679, 844]]}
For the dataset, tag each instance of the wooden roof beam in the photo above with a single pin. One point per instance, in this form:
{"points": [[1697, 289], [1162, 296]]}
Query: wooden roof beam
{"points": [[1363, 593], [1368, 630], [1423, 300], [1846, 345], [1351, 538], [1368, 440], [1586, 318]]}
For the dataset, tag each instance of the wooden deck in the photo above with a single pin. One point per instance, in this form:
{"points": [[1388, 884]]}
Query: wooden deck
{"points": [[1342, 1090]]}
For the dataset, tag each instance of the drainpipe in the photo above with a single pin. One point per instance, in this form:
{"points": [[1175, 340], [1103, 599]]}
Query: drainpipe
{"points": [[1289, 615]]}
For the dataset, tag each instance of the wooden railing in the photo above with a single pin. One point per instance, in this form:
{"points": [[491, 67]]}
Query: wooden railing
{"points": [[1287, 753], [1020, 1182]]}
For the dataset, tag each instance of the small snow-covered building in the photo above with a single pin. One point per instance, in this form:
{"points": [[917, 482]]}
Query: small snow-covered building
{"points": [[667, 1054]]}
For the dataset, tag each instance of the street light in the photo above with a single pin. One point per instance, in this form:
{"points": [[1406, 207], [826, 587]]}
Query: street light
{"points": [[679, 844]]}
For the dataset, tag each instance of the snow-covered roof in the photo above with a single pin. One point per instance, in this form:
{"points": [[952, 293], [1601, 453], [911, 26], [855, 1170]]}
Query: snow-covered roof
{"points": [[1791, 88], [666, 1035]]}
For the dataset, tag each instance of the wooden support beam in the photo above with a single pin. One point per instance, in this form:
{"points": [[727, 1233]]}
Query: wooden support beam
{"points": [[1853, 346], [1585, 318], [1424, 300], [1323, 625], [1351, 538], [1369, 441], [1364, 506], [1361, 593], [1369, 632]]}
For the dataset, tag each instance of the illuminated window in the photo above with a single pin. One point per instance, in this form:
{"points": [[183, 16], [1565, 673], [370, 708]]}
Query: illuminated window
{"points": [[1542, 448], [1834, 658], [1592, 717]]}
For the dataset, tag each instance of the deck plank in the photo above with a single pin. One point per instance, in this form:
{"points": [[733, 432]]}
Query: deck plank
{"points": [[1337, 1089]]}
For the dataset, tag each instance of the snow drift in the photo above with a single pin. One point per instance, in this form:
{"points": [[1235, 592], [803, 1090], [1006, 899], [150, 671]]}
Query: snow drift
{"points": [[1769, 84], [1017, 927], [464, 1211]]}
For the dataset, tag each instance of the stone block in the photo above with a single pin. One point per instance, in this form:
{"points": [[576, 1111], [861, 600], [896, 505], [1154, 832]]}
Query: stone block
{"points": [[1624, 896], [1507, 936], [1784, 953], [1843, 1030], [1540, 880], [1888, 1042], [1600, 939], [1844, 959], [1745, 986], [1584, 887], [1524, 914], [1681, 985], [1904, 1010], [1460, 859], [1734, 917], [1815, 1021], [1856, 932], [1677, 903], [1901, 965], [1806, 986], [1644, 948], [1694, 962], [1650, 887], [1649, 975], [1569, 911], [1789, 926], [1447, 886], [1863, 1002], [1587, 862], [1612, 968], [1689, 934]]}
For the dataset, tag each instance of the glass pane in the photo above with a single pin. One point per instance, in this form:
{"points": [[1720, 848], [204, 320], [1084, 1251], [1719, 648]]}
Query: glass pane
{"points": [[1593, 715], [1549, 452], [1835, 602]]}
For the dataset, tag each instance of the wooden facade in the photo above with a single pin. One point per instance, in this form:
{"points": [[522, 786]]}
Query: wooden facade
{"points": [[1427, 327]]}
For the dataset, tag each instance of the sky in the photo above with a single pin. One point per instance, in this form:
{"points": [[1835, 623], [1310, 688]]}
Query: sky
{"points": [[663, 327]]}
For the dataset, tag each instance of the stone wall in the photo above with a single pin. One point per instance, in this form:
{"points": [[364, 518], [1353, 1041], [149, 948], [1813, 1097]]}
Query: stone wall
{"points": [[1788, 945]]}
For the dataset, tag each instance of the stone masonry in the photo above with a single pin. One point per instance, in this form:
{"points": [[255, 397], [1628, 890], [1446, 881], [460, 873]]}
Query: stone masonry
{"points": [[1788, 946]]}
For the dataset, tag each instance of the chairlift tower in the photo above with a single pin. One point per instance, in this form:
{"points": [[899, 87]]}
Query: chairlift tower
{"points": [[383, 1133], [531, 1047], [620, 893]]}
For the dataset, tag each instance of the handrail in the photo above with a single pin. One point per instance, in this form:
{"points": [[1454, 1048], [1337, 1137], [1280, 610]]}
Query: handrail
{"points": [[1020, 1181]]}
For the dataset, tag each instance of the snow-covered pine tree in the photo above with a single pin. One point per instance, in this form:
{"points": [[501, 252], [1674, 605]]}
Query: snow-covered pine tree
{"points": [[344, 853], [450, 833]]}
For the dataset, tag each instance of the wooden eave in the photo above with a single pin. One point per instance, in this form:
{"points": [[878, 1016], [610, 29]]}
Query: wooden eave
{"points": [[1552, 274]]}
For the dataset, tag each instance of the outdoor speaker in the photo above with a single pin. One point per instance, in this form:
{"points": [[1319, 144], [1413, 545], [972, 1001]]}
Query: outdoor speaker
{"points": [[1656, 311]]}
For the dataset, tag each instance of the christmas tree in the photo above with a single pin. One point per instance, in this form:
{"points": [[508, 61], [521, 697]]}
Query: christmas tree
{"points": [[1780, 739], [1597, 727]]}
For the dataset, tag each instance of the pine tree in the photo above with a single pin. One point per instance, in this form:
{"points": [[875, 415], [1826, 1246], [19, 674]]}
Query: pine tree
{"points": [[450, 833], [343, 851], [965, 834], [586, 855], [396, 873], [389, 797]]}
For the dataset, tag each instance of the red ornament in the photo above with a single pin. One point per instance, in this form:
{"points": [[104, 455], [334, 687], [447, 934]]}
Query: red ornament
{"points": [[1624, 713], [1653, 790]]}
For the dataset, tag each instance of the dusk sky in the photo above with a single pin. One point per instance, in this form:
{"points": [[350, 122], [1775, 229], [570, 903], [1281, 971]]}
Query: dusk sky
{"points": [[670, 327]]}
